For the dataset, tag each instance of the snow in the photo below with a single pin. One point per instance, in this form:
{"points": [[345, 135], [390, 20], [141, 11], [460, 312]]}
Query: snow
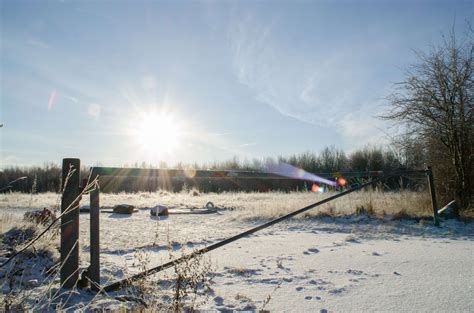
{"points": [[319, 271], [353, 263]]}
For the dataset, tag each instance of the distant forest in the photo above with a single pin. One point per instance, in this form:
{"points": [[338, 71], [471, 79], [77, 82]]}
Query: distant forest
{"points": [[329, 160]]}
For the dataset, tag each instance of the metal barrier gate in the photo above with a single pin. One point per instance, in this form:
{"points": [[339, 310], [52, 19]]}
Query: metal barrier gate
{"points": [[72, 192]]}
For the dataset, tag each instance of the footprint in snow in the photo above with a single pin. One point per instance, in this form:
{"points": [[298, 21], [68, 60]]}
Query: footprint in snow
{"points": [[311, 250], [355, 272], [376, 254], [219, 301], [308, 298], [299, 288], [337, 291], [248, 307], [319, 282]]}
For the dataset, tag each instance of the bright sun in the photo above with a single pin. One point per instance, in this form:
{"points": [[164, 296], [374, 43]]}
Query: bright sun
{"points": [[158, 133]]}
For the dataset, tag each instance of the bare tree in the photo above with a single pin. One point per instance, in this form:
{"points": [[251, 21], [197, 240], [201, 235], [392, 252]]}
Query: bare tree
{"points": [[435, 104], [332, 159]]}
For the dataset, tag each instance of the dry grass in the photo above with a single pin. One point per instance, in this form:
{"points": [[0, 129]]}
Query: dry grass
{"points": [[9, 221], [249, 206], [17, 200], [35, 266], [16, 231], [467, 215], [183, 288]]}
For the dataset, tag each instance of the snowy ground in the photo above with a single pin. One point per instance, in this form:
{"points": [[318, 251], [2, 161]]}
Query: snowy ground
{"points": [[351, 263], [327, 269]]}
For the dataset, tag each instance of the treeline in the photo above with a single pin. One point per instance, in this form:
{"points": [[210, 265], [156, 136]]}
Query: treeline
{"points": [[31, 179], [330, 159]]}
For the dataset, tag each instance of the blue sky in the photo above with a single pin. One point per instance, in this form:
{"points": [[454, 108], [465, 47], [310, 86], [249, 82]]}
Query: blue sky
{"points": [[240, 78]]}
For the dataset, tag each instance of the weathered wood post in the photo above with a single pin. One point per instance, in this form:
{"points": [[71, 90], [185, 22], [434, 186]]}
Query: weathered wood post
{"points": [[71, 177], [434, 203], [94, 269]]}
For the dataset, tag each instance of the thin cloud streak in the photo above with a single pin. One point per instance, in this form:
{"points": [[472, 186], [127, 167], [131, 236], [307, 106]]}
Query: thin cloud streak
{"points": [[325, 90]]}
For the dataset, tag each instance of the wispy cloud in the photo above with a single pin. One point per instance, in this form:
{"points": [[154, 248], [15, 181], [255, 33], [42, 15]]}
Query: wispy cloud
{"points": [[71, 98], [227, 144], [37, 43], [326, 87], [56, 66], [248, 144], [362, 128]]}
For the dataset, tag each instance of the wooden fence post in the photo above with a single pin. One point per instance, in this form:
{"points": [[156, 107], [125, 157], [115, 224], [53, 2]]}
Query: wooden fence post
{"points": [[434, 203], [94, 269], [71, 177]]}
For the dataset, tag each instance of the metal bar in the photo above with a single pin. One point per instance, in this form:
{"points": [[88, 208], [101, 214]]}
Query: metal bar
{"points": [[125, 282], [71, 176], [371, 173], [434, 203], [223, 174], [135, 172], [94, 268]]}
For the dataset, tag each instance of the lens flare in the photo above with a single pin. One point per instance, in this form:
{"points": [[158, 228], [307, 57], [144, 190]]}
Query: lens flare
{"points": [[341, 181], [288, 170], [316, 188], [52, 98]]}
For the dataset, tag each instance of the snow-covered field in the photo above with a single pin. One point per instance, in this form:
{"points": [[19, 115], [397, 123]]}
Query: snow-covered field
{"points": [[346, 263]]}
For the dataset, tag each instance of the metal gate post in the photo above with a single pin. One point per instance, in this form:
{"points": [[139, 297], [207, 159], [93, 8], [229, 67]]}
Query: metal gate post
{"points": [[94, 269], [434, 203], [71, 176]]}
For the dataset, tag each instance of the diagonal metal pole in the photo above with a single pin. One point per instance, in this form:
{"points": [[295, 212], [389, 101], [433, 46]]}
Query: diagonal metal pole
{"points": [[127, 281]]}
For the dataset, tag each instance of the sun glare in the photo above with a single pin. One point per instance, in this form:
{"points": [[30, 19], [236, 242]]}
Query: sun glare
{"points": [[158, 133]]}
